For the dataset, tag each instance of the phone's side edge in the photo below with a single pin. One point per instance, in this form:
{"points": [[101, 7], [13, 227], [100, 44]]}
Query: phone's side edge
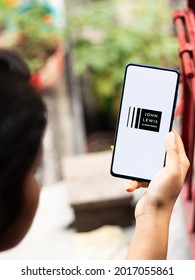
{"points": [[117, 124], [174, 104]]}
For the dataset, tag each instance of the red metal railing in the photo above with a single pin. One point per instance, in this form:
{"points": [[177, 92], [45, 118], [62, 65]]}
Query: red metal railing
{"points": [[184, 21]]}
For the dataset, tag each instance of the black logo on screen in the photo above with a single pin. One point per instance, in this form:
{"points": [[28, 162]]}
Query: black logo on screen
{"points": [[144, 119]]}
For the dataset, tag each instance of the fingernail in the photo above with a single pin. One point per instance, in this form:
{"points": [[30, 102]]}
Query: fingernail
{"points": [[172, 137], [129, 188]]}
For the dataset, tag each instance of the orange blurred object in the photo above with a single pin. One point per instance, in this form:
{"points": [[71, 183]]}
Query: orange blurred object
{"points": [[48, 19], [13, 3]]}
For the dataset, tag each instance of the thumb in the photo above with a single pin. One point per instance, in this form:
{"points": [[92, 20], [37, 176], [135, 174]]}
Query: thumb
{"points": [[172, 157]]}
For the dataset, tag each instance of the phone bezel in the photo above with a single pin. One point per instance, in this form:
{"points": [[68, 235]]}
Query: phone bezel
{"points": [[119, 113]]}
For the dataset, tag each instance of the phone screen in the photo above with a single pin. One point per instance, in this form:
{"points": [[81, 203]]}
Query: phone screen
{"points": [[145, 117]]}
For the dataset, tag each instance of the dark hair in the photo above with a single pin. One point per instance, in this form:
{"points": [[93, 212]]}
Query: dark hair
{"points": [[22, 124], [13, 64]]}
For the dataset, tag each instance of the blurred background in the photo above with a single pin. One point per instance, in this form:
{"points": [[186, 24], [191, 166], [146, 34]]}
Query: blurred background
{"points": [[77, 51]]}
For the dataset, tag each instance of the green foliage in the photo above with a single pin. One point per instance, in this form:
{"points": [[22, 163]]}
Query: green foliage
{"points": [[38, 35], [6, 11], [145, 38]]}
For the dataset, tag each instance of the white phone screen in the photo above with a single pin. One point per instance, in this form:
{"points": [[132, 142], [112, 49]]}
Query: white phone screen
{"points": [[145, 117]]}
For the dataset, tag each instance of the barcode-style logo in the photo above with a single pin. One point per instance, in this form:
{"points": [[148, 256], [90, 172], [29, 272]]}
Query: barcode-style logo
{"points": [[144, 119]]}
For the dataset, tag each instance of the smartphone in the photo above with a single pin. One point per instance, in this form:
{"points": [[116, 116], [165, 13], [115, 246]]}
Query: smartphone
{"points": [[145, 117]]}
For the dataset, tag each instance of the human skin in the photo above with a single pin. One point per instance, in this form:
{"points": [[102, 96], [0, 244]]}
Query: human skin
{"points": [[153, 211]]}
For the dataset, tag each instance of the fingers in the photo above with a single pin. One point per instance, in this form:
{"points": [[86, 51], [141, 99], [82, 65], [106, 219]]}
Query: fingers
{"points": [[184, 162], [134, 185], [176, 160], [172, 158]]}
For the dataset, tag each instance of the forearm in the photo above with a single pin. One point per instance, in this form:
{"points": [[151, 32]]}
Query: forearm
{"points": [[150, 240]]}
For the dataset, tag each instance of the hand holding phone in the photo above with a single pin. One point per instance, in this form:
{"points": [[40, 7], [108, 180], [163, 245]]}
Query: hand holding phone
{"points": [[145, 117]]}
